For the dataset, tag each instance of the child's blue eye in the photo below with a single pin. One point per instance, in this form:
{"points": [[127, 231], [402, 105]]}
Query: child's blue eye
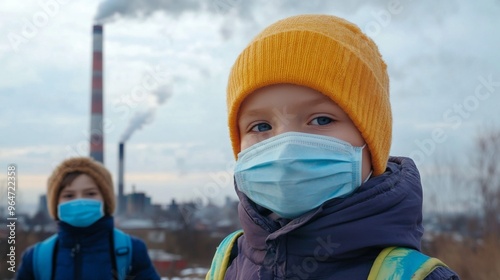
{"points": [[321, 121], [261, 127]]}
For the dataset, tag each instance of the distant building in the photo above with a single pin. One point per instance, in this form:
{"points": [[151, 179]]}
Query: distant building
{"points": [[42, 204], [138, 204], [41, 220]]}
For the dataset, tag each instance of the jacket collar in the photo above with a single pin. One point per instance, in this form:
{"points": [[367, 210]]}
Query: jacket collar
{"points": [[69, 234]]}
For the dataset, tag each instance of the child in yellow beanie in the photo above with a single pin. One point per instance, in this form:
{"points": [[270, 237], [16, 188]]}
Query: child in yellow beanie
{"points": [[310, 124], [81, 199]]}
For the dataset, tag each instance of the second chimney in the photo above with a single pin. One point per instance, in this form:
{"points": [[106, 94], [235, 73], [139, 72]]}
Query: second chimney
{"points": [[121, 162]]}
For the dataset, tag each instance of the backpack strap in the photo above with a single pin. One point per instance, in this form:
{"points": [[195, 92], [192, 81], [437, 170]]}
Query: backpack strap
{"points": [[123, 253], [395, 263], [222, 257], [42, 258]]}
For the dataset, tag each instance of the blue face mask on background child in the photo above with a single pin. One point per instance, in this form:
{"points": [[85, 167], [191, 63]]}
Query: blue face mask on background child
{"points": [[80, 212], [293, 173]]}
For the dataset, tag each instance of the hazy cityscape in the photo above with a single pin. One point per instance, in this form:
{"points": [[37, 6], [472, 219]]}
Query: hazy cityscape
{"points": [[181, 237]]}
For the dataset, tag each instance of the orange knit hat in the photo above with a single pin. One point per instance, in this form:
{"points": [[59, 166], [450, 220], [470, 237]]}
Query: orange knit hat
{"points": [[327, 54], [86, 165]]}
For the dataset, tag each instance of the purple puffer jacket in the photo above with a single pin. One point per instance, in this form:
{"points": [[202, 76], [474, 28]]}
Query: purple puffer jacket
{"points": [[340, 239]]}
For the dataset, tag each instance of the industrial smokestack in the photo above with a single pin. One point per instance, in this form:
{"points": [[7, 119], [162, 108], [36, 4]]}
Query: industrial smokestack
{"points": [[121, 160], [96, 126]]}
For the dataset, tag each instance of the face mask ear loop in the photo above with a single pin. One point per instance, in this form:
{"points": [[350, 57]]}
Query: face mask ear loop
{"points": [[368, 177], [371, 171]]}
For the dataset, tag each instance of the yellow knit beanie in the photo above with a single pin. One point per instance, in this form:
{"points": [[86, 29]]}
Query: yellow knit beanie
{"points": [[327, 54], [85, 165]]}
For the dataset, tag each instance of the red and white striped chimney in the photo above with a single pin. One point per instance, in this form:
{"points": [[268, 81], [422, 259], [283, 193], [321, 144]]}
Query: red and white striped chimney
{"points": [[96, 125]]}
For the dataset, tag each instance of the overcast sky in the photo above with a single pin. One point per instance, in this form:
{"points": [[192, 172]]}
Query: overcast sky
{"points": [[443, 60]]}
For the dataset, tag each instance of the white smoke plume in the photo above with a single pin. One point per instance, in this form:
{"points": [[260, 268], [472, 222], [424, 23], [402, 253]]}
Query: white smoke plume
{"points": [[109, 10], [233, 10], [162, 94], [142, 118]]}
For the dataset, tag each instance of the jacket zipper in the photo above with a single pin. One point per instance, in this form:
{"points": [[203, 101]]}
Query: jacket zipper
{"points": [[75, 253]]}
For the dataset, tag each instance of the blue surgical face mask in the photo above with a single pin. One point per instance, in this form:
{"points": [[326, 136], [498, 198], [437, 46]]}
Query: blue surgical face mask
{"points": [[293, 173], [80, 212]]}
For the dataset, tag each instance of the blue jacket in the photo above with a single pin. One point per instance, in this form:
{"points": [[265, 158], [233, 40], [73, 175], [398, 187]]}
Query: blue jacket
{"points": [[340, 239], [95, 258]]}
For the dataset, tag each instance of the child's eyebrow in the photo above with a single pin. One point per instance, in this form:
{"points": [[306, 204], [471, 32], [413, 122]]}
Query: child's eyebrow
{"points": [[85, 189], [255, 112], [311, 102], [316, 101]]}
